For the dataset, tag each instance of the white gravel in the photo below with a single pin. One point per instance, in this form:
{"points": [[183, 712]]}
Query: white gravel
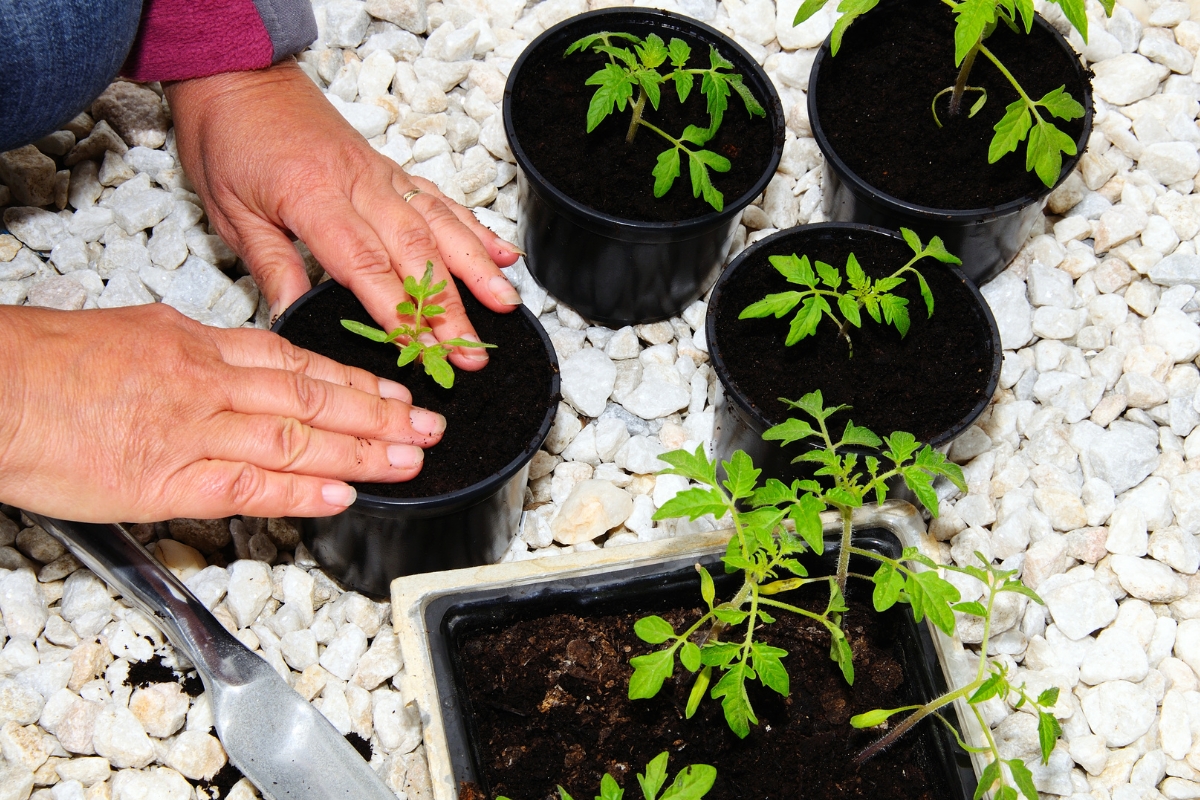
{"points": [[1081, 472]]}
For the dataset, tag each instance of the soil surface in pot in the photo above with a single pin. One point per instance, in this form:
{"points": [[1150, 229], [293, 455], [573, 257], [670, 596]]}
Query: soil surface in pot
{"points": [[550, 701], [923, 383], [874, 103], [491, 415], [598, 169]]}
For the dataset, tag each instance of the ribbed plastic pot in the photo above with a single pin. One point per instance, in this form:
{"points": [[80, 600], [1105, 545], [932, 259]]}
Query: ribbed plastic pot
{"points": [[986, 239], [739, 424], [378, 539], [617, 271]]}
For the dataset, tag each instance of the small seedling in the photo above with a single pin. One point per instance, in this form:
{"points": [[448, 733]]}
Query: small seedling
{"points": [[975, 21], [763, 549], [873, 295], [408, 336], [692, 783], [638, 69], [991, 680]]}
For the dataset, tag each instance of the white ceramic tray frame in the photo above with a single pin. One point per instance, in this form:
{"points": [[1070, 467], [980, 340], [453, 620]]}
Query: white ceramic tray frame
{"points": [[412, 594]]}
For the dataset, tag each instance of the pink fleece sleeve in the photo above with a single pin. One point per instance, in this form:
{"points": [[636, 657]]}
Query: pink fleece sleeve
{"points": [[181, 39]]}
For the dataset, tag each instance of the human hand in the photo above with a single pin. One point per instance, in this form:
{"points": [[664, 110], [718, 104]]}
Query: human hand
{"points": [[316, 177], [140, 414]]}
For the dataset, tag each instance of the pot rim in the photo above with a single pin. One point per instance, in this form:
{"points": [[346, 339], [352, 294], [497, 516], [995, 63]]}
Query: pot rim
{"points": [[965, 215], [373, 504], [695, 225], [755, 414]]}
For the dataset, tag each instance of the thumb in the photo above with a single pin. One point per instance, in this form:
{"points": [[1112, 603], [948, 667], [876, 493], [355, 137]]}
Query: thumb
{"points": [[275, 263]]}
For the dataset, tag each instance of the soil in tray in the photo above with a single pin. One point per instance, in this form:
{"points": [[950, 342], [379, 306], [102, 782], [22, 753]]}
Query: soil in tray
{"points": [[874, 105], [549, 697], [549, 113], [491, 415], [923, 383]]}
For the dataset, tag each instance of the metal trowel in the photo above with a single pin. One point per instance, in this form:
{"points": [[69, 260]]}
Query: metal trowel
{"points": [[278, 741]]}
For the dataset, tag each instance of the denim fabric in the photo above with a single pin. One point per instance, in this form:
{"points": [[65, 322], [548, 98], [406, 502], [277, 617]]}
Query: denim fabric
{"points": [[56, 57]]}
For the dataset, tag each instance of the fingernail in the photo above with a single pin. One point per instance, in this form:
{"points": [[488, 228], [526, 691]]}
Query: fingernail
{"points": [[426, 422], [405, 456], [474, 354], [394, 391], [510, 247], [503, 291], [338, 494]]}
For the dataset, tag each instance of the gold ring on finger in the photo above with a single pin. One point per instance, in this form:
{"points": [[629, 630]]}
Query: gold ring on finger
{"points": [[409, 195]]}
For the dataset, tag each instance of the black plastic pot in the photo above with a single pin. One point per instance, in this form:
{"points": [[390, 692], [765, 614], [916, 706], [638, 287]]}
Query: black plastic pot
{"points": [[739, 423], [986, 239], [378, 539], [453, 617], [617, 271]]}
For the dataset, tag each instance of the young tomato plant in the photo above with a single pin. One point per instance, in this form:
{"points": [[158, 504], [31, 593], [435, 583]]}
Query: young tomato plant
{"points": [[407, 336], [875, 296], [692, 783], [1024, 118], [644, 69], [765, 551], [991, 680]]}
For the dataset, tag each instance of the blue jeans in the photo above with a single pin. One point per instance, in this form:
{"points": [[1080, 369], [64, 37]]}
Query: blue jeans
{"points": [[58, 56]]}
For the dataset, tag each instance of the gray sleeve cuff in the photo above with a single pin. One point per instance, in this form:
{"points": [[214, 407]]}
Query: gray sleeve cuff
{"points": [[290, 24]]}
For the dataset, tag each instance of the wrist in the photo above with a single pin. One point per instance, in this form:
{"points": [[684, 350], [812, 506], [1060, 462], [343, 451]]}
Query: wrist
{"points": [[14, 357]]}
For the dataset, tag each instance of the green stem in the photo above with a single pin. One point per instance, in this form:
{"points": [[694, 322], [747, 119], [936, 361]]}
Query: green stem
{"points": [[638, 107], [843, 564], [794, 609], [960, 86], [911, 720]]}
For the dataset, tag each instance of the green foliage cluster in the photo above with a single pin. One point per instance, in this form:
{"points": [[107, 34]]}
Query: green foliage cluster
{"points": [[1025, 119], [776, 523], [408, 336], [644, 69], [825, 284], [692, 783]]}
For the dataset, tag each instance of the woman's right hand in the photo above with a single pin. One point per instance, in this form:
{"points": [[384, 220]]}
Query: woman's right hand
{"points": [[140, 414]]}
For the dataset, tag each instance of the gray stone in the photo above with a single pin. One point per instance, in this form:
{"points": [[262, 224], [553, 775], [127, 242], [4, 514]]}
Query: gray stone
{"points": [[1177, 269], [30, 174], [238, 303], [135, 113], [1014, 316], [587, 381], [124, 289], [61, 293], [198, 283], [37, 228], [1127, 78], [1123, 455]]}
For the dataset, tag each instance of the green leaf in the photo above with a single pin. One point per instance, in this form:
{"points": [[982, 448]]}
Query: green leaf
{"points": [[458, 341], [665, 171], [771, 672], [699, 689], [715, 89], [433, 311], [912, 240], [926, 294], [695, 466], [649, 81], [655, 776], [741, 475], [691, 783], [848, 305], [1023, 778], [1060, 103], [855, 274], [807, 9], [702, 185], [973, 16], [693, 503], [680, 51], [796, 270], [773, 304], [807, 318], [730, 616], [374, 334], [622, 53], [409, 353], [793, 566], [978, 105], [1010, 130], [806, 513], [790, 430], [649, 672], [887, 284], [753, 107], [714, 161], [858, 435], [850, 10], [1048, 732], [930, 596], [1046, 146], [653, 51], [609, 789], [718, 61], [683, 84], [889, 582], [689, 656], [707, 590], [653, 629], [437, 368], [920, 484], [829, 276], [696, 135], [1076, 13], [1048, 697], [841, 654], [1017, 587], [895, 311], [973, 608], [1005, 793], [992, 687], [616, 88], [562, 795], [772, 493], [900, 447], [872, 718], [406, 308], [986, 778], [718, 654], [731, 690]]}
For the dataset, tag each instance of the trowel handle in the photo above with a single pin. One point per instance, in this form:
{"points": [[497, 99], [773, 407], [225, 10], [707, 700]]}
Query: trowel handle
{"points": [[122, 563]]}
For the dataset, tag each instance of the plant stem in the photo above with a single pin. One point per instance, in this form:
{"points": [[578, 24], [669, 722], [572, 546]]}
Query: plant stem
{"points": [[911, 720], [637, 116], [960, 86], [843, 565]]}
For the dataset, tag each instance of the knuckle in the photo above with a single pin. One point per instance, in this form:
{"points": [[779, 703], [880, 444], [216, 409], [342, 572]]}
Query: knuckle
{"points": [[293, 439], [312, 397], [418, 239], [247, 485], [294, 359]]}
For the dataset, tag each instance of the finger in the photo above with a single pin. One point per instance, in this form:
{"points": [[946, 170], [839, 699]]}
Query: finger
{"points": [[214, 489], [462, 250], [354, 254], [244, 347], [283, 444], [333, 408], [277, 267], [409, 238], [502, 252]]}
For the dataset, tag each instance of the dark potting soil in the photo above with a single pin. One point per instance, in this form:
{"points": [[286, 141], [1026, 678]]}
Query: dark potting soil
{"points": [[143, 673], [361, 745], [874, 104], [549, 113], [491, 415], [550, 701], [923, 383], [219, 785]]}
